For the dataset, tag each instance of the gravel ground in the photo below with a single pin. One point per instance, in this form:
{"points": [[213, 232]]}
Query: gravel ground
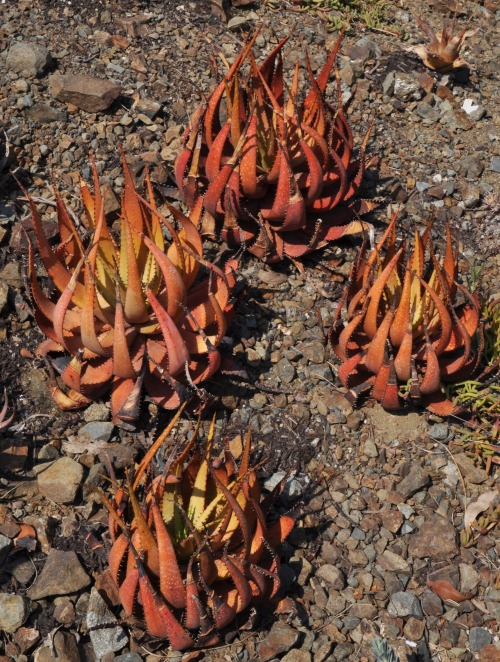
{"points": [[380, 497]]}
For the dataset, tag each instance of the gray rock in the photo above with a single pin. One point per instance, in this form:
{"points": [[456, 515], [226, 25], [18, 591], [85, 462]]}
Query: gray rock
{"points": [[331, 575], [61, 480], [313, 351], [404, 603], [4, 296], [477, 114], [86, 92], [285, 370], [62, 574], [107, 640], [427, 112], [14, 610], [495, 164], [472, 473], [413, 482], [363, 49], [431, 603], [389, 83], [469, 578], [27, 59], [292, 490], [98, 430], [471, 195], [439, 432], [43, 113], [479, 638], [406, 86], [5, 546], [274, 480], [272, 278], [236, 22], [128, 657], [370, 448]]}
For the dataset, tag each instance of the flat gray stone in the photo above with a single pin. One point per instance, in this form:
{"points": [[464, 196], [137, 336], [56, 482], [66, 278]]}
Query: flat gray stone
{"points": [[404, 603], [62, 574], [495, 164], [98, 430]]}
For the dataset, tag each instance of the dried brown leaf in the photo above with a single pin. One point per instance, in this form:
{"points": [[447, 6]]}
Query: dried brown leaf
{"points": [[446, 591], [479, 506]]}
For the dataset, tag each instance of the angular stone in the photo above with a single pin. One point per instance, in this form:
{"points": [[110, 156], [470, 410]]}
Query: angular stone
{"points": [[5, 545], [494, 164], [439, 431], [363, 49], [61, 480], [403, 604], [27, 59], [280, 639], [98, 430], [406, 86], [272, 278], [62, 574], [437, 539], [470, 471], [43, 113], [431, 603], [389, 82], [86, 92], [96, 411], [391, 520], [285, 370], [416, 479], [313, 351], [14, 610], [331, 575], [105, 640], [479, 638], [471, 195], [469, 578], [363, 610], [414, 629], [26, 638], [393, 562], [65, 647]]}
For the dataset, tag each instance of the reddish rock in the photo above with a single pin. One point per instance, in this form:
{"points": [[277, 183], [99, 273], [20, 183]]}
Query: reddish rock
{"points": [[86, 92], [437, 539]]}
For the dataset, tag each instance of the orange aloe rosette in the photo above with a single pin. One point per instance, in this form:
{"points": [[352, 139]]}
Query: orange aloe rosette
{"points": [[400, 331], [276, 172], [191, 546], [133, 311]]}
